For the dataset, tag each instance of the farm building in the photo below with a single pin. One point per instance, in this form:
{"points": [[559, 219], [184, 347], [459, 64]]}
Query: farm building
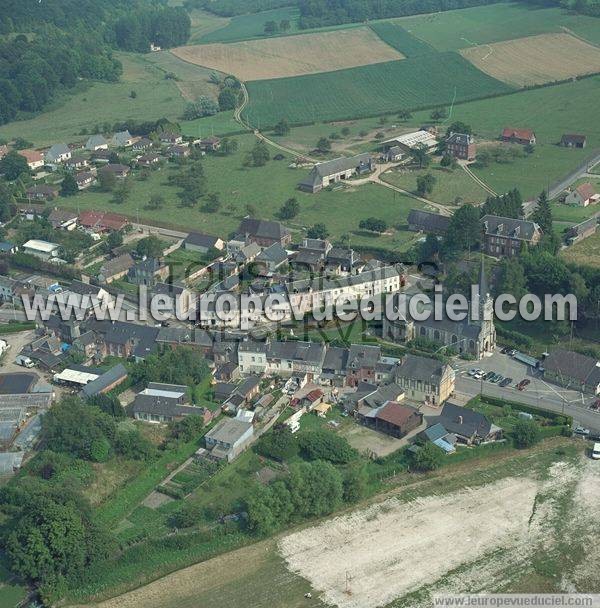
{"points": [[202, 243], [392, 418], [582, 196], [571, 369], [571, 140], [35, 159], [518, 136], [41, 249], [505, 236], [461, 145], [105, 382], [427, 222], [393, 154], [331, 171], [264, 232], [410, 141], [581, 231]]}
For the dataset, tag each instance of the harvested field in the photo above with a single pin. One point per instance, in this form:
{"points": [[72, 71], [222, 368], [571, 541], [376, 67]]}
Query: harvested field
{"points": [[535, 59], [292, 55]]}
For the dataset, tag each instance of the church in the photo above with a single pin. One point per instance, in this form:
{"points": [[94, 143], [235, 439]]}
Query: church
{"points": [[474, 337]]}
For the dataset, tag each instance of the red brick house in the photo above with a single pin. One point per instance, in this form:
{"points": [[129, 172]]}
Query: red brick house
{"points": [[461, 145]]}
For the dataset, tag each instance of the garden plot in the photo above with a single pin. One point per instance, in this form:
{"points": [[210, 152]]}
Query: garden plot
{"points": [[535, 59], [292, 55]]}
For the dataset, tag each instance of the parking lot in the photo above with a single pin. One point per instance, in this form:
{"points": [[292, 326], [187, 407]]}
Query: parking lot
{"points": [[538, 393]]}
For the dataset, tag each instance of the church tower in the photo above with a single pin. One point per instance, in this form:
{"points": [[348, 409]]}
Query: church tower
{"points": [[487, 335]]}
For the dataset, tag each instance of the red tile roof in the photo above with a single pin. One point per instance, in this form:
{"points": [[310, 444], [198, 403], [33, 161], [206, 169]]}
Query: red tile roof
{"points": [[102, 220], [394, 413], [517, 133], [32, 156], [586, 191], [314, 394]]}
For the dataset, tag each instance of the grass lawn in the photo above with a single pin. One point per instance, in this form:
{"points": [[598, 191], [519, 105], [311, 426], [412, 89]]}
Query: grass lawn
{"points": [[221, 123], [461, 28], [449, 184], [586, 252], [571, 213], [203, 24], [266, 188]]}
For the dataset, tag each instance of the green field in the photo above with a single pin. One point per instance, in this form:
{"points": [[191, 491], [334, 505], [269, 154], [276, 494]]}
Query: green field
{"points": [[245, 27], [266, 188], [204, 23], [397, 37], [449, 184], [457, 29], [221, 123], [586, 252], [428, 80]]}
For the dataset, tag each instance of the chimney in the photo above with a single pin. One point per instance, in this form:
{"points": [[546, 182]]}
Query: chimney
{"points": [[460, 420]]}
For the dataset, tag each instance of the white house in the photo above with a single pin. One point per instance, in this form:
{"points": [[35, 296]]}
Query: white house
{"points": [[41, 249], [582, 196], [58, 153]]}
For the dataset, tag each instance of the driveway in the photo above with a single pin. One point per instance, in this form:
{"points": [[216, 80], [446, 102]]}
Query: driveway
{"points": [[538, 393]]}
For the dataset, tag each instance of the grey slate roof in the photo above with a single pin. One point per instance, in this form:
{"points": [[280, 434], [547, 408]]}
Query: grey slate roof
{"points": [[56, 150], [94, 141], [428, 221], [201, 240], [275, 254], [19, 382], [228, 431], [460, 139], [105, 380], [463, 421], [263, 228], [363, 356], [336, 360], [420, 368], [507, 226], [338, 165], [572, 365]]}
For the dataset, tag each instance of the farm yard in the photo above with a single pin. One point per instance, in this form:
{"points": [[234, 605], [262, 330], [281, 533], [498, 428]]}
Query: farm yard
{"points": [[536, 59], [525, 523], [427, 80], [293, 55]]}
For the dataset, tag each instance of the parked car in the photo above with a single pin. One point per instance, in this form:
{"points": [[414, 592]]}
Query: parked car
{"points": [[489, 375], [512, 353], [497, 378], [596, 451], [521, 386], [580, 430], [478, 375], [506, 382], [472, 372]]}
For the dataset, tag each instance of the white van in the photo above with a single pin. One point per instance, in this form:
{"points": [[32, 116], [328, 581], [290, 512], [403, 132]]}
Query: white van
{"points": [[596, 451]]}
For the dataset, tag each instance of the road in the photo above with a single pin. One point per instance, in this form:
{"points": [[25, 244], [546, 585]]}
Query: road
{"points": [[538, 393]]}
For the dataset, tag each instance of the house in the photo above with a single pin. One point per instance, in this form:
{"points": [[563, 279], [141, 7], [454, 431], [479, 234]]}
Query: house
{"points": [[264, 232], [142, 144], [106, 382], [85, 344], [248, 389], [116, 268], [411, 141], [227, 372], [103, 221], [62, 219], [581, 231], [571, 369], [330, 172], [440, 437], [117, 169], [46, 350], [340, 260], [35, 159], [90, 296], [41, 249], [202, 243], [571, 140], [96, 142], [85, 179], [122, 139], [427, 222], [178, 297], [392, 418], [149, 160], [311, 254], [147, 271], [7, 247], [424, 380], [167, 137], [335, 364], [41, 192], [582, 196], [58, 153], [228, 438], [393, 154], [461, 146], [178, 151], [160, 403], [75, 162], [505, 236], [210, 144], [362, 361], [270, 259], [101, 157], [469, 427], [4, 150], [123, 339], [518, 136]]}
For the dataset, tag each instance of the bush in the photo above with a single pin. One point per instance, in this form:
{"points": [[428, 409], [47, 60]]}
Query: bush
{"points": [[427, 458], [280, 444], [325, 445], [526, 433]]}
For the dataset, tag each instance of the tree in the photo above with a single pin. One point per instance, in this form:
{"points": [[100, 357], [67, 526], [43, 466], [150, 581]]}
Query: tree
{"points": [[157, 201], [427, 458], [113, 240], [355, 482], [345, 131], [260, 154], [323, 444], [464, 230], [511, 278], [289, 209], [459, 127], [317, 231], [13, 165], [525, 433], [271, 27], [229, 145], [420, 154], [121, 192], [108, 403], [449, 161], [280, 444], [439, 113], [213, 203], [228, 99], [69, 186], [323, 145], [282, 127], [373, 224], [284, 25], [429, 250], [425, 184], [106, 180], [404, 115], [542, 214], [149, 247]]}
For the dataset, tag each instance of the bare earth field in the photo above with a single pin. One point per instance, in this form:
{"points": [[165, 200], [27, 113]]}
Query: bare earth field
{"points": [[292, 55], [535, 59]]}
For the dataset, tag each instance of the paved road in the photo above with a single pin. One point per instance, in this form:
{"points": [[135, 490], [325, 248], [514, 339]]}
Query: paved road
{"points": [[539, 393]]}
